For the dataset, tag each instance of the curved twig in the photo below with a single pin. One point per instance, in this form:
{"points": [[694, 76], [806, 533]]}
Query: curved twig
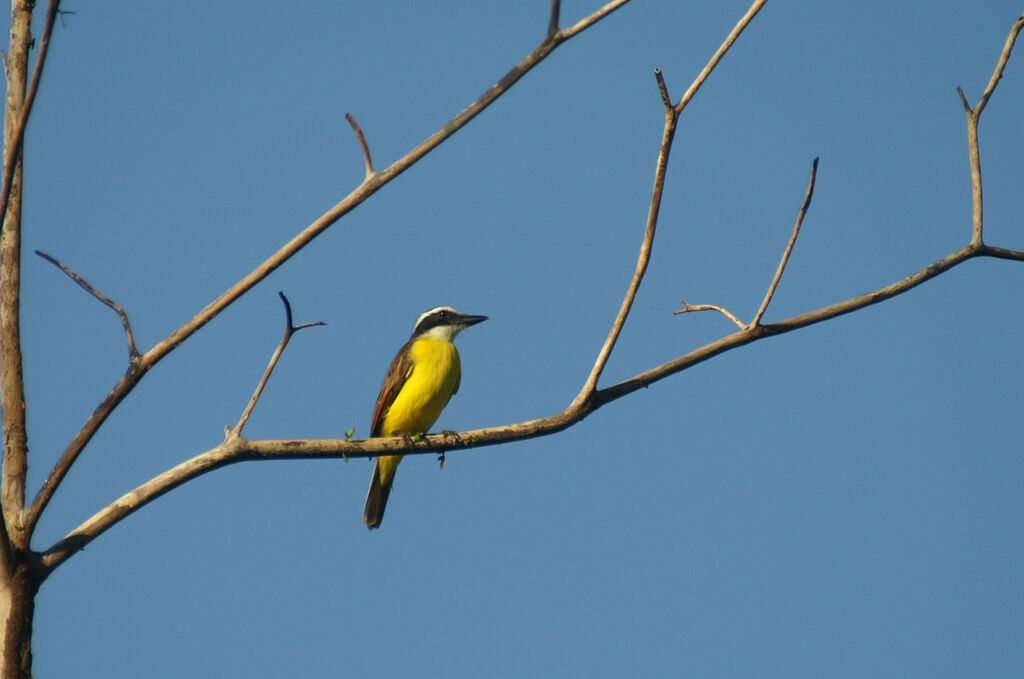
{"points": [[133, 353], [362, 145], [789, 246], [687, 308], [289, 330]]}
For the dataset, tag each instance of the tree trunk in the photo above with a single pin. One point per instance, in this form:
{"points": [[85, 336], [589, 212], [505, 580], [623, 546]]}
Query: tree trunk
{"points": [[20, 581], [17, 606]]}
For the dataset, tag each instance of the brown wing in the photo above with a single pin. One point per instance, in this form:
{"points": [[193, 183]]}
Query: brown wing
{"points": [[398, 373]]}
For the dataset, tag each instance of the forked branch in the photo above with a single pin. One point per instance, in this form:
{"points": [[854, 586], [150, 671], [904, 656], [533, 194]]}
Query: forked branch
{"points": [[289, 330], [672, 114], [973, 116]]}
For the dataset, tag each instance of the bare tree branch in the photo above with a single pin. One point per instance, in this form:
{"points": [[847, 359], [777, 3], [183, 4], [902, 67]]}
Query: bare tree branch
{"points": [[729, 40], [235, 449], [662, 89], [789, 246], [588, 21], [362, 145], [1002, 253], [556, 7], [366, 189], [973, 116], [133, 353], [668, 132], [687, 308], [14, 148], [289, 330], [671, 118], [1004, 57]]}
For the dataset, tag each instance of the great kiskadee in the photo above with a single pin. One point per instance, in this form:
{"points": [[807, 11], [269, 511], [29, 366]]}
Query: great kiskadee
{"points": [[423, 376]]}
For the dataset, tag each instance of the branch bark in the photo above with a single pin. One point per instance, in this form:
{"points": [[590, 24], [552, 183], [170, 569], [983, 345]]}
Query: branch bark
{"points": [[19, 572], [12, 388], [289, 330]]}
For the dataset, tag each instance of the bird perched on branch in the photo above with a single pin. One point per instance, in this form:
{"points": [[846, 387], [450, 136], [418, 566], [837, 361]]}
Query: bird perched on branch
{"points": [[423, 376]]}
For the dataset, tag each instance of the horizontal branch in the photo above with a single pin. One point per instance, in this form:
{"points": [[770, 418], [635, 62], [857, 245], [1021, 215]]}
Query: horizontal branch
{"points": [[236, 449], [756, 332]]}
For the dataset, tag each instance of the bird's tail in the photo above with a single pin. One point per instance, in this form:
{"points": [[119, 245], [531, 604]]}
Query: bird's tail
{"points": [[380, 488]]}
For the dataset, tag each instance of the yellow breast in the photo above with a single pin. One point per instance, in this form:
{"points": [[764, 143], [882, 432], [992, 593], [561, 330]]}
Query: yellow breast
{"points": [[433, 379]]}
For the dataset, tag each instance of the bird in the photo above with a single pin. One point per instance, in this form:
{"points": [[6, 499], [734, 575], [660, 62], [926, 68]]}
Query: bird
{"points": [[424, 374]]}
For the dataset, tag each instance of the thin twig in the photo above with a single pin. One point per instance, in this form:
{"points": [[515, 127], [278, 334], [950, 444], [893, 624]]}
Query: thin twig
{"points": [[589, 20], [133, 353], [556, 7], [662, 88], [963, 100], [63, 13], [362, 144], [1004, 57], [729, 40], [644, 257], [687, 307], [289, 330], [789, 246], [303, 238]]}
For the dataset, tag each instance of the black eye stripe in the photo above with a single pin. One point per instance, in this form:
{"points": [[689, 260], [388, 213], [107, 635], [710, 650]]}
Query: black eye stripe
{"points": [[432, 321]]}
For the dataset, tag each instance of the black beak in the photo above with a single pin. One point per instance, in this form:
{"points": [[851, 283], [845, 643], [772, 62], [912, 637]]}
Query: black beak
{"points": [[468, 320]]}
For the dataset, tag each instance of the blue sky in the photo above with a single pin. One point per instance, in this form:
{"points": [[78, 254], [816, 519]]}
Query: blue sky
{"points": [[843, 501]]}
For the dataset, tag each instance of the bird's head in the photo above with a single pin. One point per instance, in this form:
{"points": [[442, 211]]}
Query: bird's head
{"points": [[444, 322]]}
